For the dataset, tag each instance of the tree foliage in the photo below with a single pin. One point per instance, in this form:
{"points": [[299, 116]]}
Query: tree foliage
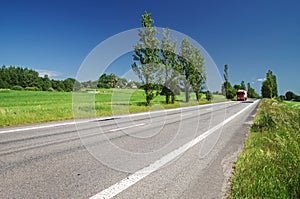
{"points": [[186, 66], [169, 68], [269, 86], [292, 96], [162, 70], [251, 92], [198, 76], [229, 91], [237, 87], [107, 81], [159, 67], [146, 56], [227, 86], [243, 86], [19, 78]]}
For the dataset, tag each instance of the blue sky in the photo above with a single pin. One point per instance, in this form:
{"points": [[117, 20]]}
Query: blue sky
{"points": [[250, 36]]}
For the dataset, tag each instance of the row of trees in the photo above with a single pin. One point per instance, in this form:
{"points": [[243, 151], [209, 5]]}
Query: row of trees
{"points": [[230, 92], [161, 70], [18, 78], [269, 89], [113, 81]]}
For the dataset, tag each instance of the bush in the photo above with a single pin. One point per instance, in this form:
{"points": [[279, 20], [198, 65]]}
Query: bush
{"points": [[280, 98], [51, 89], [32, 89], [209, 96], [231, 93], [17, 88]]}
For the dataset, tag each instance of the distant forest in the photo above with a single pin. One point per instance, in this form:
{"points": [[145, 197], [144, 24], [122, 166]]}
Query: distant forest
{"points": [[18, 78]]}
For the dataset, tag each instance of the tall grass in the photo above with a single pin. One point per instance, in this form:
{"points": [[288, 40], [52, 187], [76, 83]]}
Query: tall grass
{"points": [[23, 107], [269, 166]]}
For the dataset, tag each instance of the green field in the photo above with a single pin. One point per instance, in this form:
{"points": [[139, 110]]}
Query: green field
{"points": [[269, 165], [292, 104], [24, 107]]}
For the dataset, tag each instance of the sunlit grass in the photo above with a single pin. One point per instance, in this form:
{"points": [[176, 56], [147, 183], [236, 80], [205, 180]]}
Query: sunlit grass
{"points": [[24, 107], [293, 104], [269, 165]]}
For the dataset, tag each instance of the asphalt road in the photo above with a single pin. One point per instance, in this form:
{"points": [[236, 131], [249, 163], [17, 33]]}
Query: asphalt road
{"points": [[178, 153]]}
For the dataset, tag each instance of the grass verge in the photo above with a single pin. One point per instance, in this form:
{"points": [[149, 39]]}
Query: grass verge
{"points": [[269, 164]]}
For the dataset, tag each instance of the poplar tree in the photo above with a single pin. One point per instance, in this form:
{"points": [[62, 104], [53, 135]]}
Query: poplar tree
{"points": [[146, 55]]}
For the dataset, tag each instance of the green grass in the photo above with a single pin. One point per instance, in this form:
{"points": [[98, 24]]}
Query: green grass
{"points": [[24, 107], [269, 166], [292, 104]]}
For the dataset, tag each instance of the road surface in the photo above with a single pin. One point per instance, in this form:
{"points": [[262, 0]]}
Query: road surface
{"points": [[177, 153]]}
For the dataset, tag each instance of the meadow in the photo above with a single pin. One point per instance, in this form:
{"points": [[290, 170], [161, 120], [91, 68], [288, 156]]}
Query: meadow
{"points": [[25, 107], [269, 164], [293, 104]]}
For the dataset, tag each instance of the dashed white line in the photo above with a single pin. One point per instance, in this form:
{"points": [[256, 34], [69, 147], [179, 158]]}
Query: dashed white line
{"points": [[139, 175], [186, 114], [36, 127], [126, 127]]}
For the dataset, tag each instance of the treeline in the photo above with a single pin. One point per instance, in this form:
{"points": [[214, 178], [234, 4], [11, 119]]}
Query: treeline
{"points": [[18, 78], [161, 70], [269, 89], [230, 92], [113, 81]]}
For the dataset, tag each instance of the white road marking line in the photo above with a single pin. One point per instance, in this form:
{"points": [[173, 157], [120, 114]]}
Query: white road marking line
{"points": [[186, 114], [127, 127], [95, 119], [36, 127], [139, 175]]}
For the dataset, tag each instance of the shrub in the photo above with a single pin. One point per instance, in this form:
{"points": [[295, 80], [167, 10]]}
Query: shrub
{"points": [[17, 88], [51, 89], [209, 96], [32, 89]]}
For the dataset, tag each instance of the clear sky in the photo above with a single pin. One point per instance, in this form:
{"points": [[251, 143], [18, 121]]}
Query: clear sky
{"points": [[55, 36]]}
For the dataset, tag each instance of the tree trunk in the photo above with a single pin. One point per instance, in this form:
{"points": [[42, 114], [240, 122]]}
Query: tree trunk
{"points": [[197, 95], [147, 95], [173, 98], [187, 96], [167, 98]]}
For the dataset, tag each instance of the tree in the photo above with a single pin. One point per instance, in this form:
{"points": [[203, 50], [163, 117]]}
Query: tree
{"points": [[290, 95], [146, 52], [186, 67], [198, 76], [226, 83], [170, 67], [113, 80], [237, 87], [45, 83], [107, 81], [121, 83], [229, 91], [269, 86], [243, 86], [60, 86], [209, 96], [251, 92], [69, 84]]}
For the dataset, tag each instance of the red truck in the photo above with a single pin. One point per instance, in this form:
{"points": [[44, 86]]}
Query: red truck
{"points": [[241, 95]]}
